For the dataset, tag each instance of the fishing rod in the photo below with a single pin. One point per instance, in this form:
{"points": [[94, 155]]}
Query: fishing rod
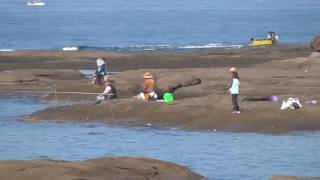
{"points": [[51, 92], [155, 80]]}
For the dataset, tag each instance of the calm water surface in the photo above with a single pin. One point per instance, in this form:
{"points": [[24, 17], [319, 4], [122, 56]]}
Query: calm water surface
{"points": [[118, 25], [215, 155]]}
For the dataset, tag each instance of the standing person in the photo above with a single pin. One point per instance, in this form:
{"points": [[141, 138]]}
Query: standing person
{"points": [[234, 90], [109, 92]]}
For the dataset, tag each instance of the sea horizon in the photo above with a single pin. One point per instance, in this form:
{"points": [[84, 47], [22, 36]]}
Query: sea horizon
{"points": [[152, 26]]}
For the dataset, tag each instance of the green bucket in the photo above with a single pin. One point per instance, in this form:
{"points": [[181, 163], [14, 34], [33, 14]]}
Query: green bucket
{"points": [[168, 98]]}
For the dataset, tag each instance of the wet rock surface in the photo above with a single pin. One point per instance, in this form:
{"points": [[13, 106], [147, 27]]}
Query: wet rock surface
{"points": [[202, 101], [120, 168]]}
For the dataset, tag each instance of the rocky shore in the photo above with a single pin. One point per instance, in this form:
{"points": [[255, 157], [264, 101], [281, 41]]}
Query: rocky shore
{"points": [[120, 168], [292, 178], [200, 80]]}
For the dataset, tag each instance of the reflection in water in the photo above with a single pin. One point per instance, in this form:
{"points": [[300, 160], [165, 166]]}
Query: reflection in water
{"points": [[212, 154]]}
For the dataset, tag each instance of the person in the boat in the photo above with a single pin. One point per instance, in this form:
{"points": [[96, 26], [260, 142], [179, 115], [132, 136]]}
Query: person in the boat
{"points": [[276, 38], [269, 35], [100, 72], [272, 36], [109, 92], [148, 92], [235, 89]]}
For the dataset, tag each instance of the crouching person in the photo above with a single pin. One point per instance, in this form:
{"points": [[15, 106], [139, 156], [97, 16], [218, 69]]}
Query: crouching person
{"points": [[148, 92], [100, 72], [109, 92]]}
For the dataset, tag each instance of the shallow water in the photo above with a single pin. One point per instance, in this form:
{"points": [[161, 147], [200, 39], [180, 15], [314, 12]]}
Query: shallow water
{"points": [[215, 155], [120, 25]]}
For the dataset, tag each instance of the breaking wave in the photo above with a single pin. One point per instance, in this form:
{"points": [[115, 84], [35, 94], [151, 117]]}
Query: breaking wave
{"points": [[212, 45], [70, 48], [143, 48], [6, 50]]}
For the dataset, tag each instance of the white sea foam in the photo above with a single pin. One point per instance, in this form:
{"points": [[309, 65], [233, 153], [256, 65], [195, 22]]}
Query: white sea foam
{"points": [[164, 47], [211, 45], [6, 50], [151, 47], [70, 48], [148, 47]]}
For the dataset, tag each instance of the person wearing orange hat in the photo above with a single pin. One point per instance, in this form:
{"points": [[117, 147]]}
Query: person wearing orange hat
{"points": [[149, 88], [235, 90]]}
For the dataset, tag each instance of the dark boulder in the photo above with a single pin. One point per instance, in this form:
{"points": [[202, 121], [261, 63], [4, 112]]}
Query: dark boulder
{"points": [[174, 85], [315, 44]]}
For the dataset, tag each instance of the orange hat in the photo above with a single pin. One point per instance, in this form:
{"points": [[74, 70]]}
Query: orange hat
{"points": [[233, 69], [147, 75]]}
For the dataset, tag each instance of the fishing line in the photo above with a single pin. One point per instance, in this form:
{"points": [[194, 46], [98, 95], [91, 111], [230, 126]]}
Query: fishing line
{"points": [[50, 92]]}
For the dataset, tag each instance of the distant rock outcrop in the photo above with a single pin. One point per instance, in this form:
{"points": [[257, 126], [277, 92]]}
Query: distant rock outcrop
{"points": [[315, 44]]}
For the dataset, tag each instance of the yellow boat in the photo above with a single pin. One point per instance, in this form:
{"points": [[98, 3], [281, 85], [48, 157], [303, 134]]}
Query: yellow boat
{"points": [[262, 42]]}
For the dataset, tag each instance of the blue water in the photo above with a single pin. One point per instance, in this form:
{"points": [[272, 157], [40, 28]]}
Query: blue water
{"points": [[119, 25], [217, 155]]}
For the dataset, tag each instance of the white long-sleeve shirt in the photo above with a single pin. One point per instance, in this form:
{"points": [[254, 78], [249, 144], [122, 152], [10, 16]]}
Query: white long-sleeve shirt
{"points": [[235, 88], [107, 90]]}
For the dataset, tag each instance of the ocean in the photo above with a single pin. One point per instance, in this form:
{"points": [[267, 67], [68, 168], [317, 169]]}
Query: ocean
{"points": [[216, 155], [148, 25]]}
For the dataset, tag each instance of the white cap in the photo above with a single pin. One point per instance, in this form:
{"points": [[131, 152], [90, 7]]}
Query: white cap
{"points": [[100, 61]]}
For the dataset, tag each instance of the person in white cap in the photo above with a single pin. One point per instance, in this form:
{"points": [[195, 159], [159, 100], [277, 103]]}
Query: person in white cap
{"points": [[100, 72], [235, 90]]}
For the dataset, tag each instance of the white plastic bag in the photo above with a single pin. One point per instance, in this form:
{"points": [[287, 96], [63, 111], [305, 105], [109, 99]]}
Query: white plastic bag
{"points": [[292, 102]]}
